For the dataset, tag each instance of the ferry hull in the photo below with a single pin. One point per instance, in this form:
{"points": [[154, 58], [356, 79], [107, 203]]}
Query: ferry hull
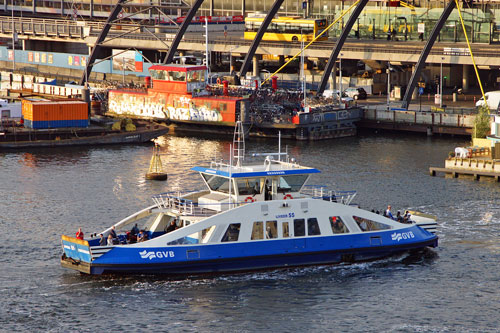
{"points": [[214, 260]]}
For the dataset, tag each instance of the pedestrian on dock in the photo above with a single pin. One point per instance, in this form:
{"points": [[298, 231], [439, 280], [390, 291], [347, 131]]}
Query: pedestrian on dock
{"points": [[79, 234]]}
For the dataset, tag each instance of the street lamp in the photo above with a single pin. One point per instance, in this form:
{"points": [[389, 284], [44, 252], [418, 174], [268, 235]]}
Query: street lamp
{"points": [[441, 85], [13, 40], [388, 85], [340, 77]]}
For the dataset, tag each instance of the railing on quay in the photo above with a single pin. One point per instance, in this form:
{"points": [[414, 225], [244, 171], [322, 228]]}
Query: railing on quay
{"points": [[419, 117]]}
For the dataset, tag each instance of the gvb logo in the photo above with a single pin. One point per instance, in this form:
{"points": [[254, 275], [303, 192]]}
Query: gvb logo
{"points": [[158, 254], [147, 255], [397, 236]]}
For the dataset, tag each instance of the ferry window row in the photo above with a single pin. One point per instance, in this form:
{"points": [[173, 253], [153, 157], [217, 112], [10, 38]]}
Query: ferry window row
{"points": [[253, 186], [262, 230], [192, 76]]}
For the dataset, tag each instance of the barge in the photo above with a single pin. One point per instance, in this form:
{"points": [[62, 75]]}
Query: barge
{"points": [[179, 96]]}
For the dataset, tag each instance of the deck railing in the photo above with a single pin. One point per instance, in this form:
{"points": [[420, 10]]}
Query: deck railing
{"points": [[322, 192]]}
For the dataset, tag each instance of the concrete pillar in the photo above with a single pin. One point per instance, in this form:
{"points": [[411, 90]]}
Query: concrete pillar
{"points": [[256, 71], [465, 77]]}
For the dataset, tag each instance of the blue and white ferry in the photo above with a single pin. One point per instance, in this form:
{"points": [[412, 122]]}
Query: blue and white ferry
{"points": [[249, 217]]}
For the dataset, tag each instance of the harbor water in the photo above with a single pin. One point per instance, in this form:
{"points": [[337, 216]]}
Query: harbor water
{"points": [[49, 192]]}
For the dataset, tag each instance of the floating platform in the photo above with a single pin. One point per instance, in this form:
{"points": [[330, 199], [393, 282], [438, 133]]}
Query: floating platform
{"points": [[477, 174]]}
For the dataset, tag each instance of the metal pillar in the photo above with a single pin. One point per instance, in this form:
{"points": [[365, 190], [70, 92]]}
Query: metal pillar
{"points": [[180, 33], [338, 46], [251, 51], [97, 46], [425, 52]]}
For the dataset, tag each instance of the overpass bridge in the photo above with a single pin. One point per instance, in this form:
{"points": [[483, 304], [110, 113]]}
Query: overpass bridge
{"points": [[35, 32]]}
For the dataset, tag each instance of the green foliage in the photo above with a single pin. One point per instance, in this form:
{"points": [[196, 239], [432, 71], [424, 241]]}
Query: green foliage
{"points": [[482, 123]]}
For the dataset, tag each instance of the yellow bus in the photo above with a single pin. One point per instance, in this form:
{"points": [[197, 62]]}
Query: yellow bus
{"points": [[287, 28]]}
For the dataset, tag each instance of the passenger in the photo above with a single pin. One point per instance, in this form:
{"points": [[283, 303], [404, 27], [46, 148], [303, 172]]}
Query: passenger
{"points": [[377, 212], [171, 227], [142, 236], [112, 232], [399, 218], [267, 192], [110, 239], [338, 227], [407, 217], [102, 240], [79, 233], [135, 230], [388, 212]]}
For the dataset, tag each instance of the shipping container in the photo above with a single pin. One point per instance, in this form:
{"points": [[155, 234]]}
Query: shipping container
{"points": [[54, 111], [55, 124]]}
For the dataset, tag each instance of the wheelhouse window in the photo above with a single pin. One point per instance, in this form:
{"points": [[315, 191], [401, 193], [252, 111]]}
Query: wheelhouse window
{"points": [[271, 229], [369, 225], [338, 226], [257, 231], [196, 76], [217, 183], [291, 183], [313, 227], [248, 186], [232, 233], [299, 228], [177, 76]]}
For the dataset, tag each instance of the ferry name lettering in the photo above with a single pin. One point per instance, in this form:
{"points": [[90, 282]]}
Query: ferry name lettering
{"points": [[284, 216]]}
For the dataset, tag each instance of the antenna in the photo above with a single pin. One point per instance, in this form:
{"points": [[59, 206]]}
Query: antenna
{"points": [[238, 144]]}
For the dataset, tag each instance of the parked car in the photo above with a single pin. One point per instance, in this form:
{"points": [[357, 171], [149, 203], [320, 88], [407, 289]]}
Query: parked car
{"points": [[335, 95], [356, 93]]}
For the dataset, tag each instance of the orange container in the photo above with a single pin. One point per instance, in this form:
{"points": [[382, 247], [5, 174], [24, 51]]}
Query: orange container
{"points": [[49, 110]]}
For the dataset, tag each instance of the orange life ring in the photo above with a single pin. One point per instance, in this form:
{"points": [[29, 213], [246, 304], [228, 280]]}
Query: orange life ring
{"points": [[249, 199], [287, 196], [218, 80]]}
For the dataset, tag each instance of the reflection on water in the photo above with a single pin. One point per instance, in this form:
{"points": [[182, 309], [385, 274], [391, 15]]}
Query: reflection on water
{"points": [[49, 192]]}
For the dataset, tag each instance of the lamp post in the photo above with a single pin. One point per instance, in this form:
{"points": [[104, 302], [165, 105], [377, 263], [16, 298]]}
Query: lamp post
{"points": [[340, 77], [441, 85], [206, 45], [13, 40], [388, 85]]}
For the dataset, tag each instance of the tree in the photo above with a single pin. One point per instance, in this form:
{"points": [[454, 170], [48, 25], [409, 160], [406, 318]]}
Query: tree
{"points": [[482, 122]]}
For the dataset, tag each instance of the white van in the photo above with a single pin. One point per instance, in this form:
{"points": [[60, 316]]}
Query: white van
{"points": [[492, 99]]}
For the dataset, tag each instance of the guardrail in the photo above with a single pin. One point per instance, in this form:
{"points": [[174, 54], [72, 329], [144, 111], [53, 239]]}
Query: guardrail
{"points": [[420, 118], [322, 192]]}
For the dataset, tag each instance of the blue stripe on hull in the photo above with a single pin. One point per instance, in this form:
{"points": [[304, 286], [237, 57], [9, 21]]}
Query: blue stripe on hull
{"points": [[252, 263], [231, 257]]}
